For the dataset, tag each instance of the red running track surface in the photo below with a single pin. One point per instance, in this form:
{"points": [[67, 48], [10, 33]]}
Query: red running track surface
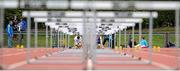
{"points": [[166, 56]]}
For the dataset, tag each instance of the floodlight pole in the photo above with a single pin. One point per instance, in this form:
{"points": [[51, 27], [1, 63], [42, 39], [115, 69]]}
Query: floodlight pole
{"points": [[150, 37], [1, 27], [177, 36], [28, 38], [36, 35], [140, 31]]}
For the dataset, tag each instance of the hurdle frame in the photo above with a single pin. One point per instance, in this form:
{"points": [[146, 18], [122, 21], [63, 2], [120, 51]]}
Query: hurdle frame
{"points": [[150, 38]]}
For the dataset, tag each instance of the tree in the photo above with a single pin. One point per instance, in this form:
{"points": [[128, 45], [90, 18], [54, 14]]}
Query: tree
{"points": [[164, 19], [10, 13]]}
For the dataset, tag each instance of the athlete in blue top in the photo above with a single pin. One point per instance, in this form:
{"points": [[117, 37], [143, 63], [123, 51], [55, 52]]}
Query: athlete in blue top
{"points": [[9, 30], [143, 43]]}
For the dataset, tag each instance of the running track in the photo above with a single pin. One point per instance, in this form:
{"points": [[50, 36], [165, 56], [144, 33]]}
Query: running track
{"points": [[70, 59]]}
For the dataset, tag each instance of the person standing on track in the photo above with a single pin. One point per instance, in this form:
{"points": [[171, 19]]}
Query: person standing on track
{"points": [[10, 32]]}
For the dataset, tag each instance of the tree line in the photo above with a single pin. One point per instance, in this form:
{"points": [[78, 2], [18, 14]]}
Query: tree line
{"points": [[165, 19]]}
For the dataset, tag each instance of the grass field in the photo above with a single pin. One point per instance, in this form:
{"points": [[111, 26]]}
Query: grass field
{"points": [[157, 30], [158, 39]]}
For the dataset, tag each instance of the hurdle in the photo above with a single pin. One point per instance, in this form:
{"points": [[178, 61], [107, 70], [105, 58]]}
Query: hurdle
{"points": [[97, 17], [93, 5], [177, 33]]}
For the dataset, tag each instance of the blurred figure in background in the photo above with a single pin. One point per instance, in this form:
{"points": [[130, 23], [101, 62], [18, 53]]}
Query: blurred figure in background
{"points": [[130, 43], [170, 44], [110, 41], [9, 30], [15, 28], [143, 43], [106, 38], [99, 41], [77, 41], [22, 26]]}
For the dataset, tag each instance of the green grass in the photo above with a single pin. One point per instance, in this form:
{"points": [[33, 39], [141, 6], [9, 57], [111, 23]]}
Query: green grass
{"points": [[157, 30], [158, 39], [41, 40]]}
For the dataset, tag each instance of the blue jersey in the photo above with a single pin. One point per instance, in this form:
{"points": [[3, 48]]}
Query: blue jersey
{"points": [[23, 25], [143, 43], [9, 30]]}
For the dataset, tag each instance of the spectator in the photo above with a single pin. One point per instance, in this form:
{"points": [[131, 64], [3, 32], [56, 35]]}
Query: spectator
{"points": [[169, 44], [110, 41], [21, 27], [143, 43], [9, 30], [99, 42], [130, 43], [105, 39], [77, 42]]}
